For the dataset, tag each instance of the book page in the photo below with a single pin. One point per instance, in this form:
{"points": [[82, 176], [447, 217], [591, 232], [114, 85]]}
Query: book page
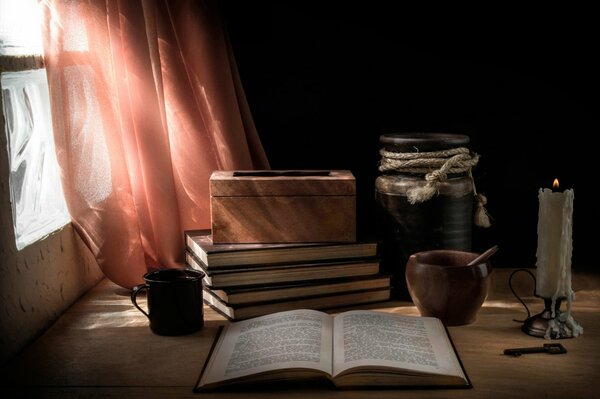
{"points": [[292, 339], [368, 338]]}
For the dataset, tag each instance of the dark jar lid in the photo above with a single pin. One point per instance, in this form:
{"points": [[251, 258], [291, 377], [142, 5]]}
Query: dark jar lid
{"points": [[423, 142]]}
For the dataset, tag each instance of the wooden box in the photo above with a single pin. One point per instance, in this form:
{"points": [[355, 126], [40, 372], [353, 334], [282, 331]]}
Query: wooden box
{"points": [[283, 206]]}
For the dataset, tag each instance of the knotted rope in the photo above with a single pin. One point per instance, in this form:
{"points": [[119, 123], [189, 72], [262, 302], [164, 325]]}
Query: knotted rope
{"points": [[436, 166]]}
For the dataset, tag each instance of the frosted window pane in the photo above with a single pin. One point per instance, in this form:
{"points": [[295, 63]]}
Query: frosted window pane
{"points": [[37, 199], [20, 27]]}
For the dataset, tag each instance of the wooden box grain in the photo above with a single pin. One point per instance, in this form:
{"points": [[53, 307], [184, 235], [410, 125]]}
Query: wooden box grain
{"points": [[283, 206]]}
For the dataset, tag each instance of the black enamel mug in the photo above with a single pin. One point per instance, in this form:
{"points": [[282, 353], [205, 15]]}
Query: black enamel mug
{"points": [[174, 301]]}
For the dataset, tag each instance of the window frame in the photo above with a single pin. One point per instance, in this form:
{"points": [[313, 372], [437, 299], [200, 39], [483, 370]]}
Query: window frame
{"points": [[19, 60]]}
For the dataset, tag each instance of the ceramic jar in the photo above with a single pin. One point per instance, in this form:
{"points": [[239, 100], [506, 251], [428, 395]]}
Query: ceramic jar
{"points": [[442, 222]]}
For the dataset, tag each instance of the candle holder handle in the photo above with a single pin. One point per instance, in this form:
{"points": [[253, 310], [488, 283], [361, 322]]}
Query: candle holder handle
{"points": [[517, 296]]}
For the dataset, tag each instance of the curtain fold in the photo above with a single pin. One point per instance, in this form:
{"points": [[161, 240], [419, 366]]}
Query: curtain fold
{"points": [[146, 103]]}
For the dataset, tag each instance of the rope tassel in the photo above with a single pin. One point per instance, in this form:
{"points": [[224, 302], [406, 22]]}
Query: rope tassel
{"points": [[481, 217]]}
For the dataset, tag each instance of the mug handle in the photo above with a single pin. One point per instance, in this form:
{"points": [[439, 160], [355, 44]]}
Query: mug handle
{"points": [[136, 290]]}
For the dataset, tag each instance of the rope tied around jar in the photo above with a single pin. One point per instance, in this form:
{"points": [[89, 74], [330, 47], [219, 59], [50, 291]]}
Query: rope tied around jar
{"points": [[436, 166]]}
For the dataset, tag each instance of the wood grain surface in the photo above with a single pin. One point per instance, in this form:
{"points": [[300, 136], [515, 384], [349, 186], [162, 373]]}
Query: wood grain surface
{"points": [[283, 208], [225, 184], [283, 219], [102, 347]]}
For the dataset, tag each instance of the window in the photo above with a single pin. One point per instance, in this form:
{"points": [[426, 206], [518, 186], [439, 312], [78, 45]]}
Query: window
{"points": [[38, 204], [20, 27]]}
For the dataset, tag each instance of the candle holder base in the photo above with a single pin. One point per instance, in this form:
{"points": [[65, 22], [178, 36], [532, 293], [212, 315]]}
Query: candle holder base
{"points": [[545, 325], [537, 325]]}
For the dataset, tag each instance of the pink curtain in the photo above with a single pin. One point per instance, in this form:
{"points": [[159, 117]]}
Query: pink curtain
{"points": [[146, 103]]}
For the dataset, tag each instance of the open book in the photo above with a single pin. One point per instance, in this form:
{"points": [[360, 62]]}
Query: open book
{"points": [[357, 348]]}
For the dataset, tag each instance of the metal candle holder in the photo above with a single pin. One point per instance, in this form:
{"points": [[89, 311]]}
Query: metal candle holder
{"points": [[550, 323], [539, 324]]}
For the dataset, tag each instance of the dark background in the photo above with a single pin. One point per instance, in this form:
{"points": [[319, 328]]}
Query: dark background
{"points": [[324, 80]]}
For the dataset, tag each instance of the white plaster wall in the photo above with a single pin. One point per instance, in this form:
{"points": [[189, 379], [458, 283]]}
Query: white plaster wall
{"points": [[41, 281]]}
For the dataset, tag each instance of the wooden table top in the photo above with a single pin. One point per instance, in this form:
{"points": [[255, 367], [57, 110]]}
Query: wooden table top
{"points": [[102, 347]]}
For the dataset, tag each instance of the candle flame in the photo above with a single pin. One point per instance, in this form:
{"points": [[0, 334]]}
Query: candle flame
{"points": [[555, 184]]}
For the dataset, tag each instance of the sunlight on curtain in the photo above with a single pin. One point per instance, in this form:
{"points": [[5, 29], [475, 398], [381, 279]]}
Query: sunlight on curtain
{"points": [[75, 36], [146, 104], [88, 147], [37, 199]]}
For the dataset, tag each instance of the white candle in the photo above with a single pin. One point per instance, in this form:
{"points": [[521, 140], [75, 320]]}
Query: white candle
{"points": [[555, 247], [555, 244]]}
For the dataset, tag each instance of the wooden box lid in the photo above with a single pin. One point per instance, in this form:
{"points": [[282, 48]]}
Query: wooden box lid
{"points": [[282, 183]]}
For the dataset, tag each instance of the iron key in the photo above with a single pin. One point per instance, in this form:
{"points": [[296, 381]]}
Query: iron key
{"points": [[553, 349]]}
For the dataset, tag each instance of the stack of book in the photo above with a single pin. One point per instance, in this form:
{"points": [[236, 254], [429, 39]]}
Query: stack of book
{"points": [[249, 280]]}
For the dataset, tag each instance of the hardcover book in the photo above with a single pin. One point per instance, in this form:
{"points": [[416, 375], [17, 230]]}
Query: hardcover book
{"points": [[245, 311], [352, 349], [214, 256], [282, 273], [291, 290]]}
